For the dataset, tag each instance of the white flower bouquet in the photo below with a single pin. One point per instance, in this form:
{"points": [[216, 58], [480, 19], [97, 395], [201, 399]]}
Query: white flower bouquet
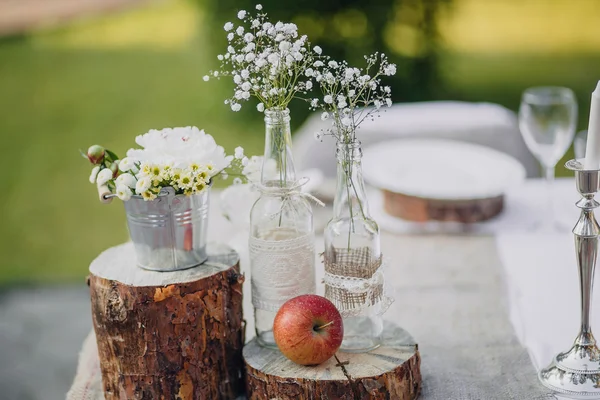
{"points": [[266, 60], [185, 159], [351, 95]]}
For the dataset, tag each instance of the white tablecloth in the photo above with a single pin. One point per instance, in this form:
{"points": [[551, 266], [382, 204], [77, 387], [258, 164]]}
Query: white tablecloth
{"points": [[458, 296]]}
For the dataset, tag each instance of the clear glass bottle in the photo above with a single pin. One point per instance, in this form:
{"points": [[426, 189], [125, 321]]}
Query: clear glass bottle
{"points": [[281, 244], [353, 255]]}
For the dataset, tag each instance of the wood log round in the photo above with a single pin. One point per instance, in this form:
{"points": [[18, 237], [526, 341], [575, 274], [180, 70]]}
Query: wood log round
{"points": [[168, 335], [391, 371], [418, 209]]}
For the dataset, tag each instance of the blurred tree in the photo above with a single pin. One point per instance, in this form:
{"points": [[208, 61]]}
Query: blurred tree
{"points": [[406, 30]]}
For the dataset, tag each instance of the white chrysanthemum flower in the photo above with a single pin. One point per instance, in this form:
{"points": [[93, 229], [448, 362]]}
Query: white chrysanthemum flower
{"points": [[241, 14], [186, 180], [260, 107], [104, 176], [126, 164], [324, 116], [317, 50], [236, 107], [228, 26], [123, 192], [148, 195], [94, 174], [328, 99], [127, 180], [239, 152], [259, 7], [143, 184]]}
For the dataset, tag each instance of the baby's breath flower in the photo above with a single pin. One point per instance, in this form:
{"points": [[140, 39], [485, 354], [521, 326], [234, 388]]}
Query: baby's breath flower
{"points": [[237, 181], [319, 136], [239, 153], [324, 116], [228, 26], [241, 14], [260, 107], [317, 50], [259, 7], [205, 78], [236, 107]]}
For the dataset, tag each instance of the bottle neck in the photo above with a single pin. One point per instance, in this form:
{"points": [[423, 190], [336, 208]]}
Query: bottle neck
{"points": [[351, 198], [278, 163]]}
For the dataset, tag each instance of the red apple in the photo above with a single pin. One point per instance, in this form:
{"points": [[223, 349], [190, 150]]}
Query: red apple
{"points": [[308, 329]]}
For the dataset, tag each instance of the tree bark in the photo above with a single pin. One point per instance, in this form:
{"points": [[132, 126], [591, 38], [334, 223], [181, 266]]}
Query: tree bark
{"points": [[390, 372], [168, 335]]}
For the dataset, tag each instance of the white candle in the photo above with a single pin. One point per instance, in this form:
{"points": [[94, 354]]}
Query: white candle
{"points": [[592, 147]]}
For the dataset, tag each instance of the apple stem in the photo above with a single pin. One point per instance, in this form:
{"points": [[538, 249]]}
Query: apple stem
{"points": [[318, 328]]}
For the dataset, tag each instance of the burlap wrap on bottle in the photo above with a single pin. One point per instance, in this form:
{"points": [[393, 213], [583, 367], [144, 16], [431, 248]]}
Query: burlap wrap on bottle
{"points": [[354, 282]]}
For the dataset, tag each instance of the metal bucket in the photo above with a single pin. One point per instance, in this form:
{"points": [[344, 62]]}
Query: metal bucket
{"points": [[169, 232]]}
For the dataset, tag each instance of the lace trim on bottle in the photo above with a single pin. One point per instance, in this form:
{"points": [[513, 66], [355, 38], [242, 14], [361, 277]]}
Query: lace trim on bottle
{"points": [[281, 270]]}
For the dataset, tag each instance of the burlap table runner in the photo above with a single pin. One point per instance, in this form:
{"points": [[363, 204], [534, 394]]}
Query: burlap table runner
{"points": [[450, 297]]}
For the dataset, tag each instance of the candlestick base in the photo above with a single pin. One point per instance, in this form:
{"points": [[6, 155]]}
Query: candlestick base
{"points": [[576, 372]]}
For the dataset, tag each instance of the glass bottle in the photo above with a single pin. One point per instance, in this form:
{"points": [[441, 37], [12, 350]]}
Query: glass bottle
{"points": [[281, 244], [353, 255]]}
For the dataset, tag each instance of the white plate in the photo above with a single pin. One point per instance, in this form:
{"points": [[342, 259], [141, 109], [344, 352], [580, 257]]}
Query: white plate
{"points": [[440, 169]]}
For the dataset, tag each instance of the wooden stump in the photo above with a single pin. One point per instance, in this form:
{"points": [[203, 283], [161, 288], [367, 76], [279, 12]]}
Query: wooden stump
{"points": [[168, 335], [390, 372]]}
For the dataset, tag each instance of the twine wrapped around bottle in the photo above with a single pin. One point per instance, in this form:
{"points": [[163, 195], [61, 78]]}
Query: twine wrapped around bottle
{"points": [[355, 282]]}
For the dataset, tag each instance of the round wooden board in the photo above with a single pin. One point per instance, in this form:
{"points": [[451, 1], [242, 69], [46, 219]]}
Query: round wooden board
{"points": [[417, 209], [391, 371]]}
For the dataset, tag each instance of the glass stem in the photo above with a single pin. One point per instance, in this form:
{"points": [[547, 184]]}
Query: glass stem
{"points": [[549, 175]]}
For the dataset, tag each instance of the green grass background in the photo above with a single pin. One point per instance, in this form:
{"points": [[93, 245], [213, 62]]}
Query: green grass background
{"points": [[64, 89]]}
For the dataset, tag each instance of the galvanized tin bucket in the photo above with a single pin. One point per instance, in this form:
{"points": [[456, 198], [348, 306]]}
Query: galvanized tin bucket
{"points": [[169, 232]]}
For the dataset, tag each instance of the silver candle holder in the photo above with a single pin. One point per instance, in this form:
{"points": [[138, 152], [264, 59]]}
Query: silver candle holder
{"points": [[576, 372]]}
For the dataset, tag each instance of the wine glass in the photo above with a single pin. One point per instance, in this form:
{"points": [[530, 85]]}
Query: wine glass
{"points": [[547, 119]]}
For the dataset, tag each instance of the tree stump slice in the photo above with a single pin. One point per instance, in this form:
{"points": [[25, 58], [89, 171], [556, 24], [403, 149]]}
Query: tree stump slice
{"points": [[391, 371], [419, 209], [168, 335]]}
